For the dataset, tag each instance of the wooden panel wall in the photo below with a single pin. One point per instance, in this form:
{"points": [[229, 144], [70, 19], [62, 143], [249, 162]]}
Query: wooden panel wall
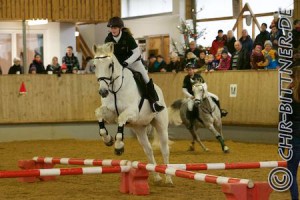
{"points": [[60, 10], [74, 98]]}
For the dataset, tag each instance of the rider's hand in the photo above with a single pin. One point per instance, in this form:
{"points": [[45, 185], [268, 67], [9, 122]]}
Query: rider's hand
{"points": [[125, 64], [192, 97]]}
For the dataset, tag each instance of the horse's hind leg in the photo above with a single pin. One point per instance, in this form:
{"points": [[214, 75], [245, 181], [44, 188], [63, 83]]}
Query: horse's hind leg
{"points": [[161, 125], [144, 141], [108, 139]]}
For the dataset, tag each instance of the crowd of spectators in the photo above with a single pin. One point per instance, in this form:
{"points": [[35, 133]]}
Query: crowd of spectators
{"points": [[228, 53]]}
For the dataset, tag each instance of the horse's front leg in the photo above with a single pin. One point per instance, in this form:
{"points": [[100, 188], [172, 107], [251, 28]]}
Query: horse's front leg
{"points": [[125, 116], [219, 137], [99, 112]]}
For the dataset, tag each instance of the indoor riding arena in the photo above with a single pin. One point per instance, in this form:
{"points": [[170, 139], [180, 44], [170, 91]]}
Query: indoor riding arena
{"points": [[49, 135]]}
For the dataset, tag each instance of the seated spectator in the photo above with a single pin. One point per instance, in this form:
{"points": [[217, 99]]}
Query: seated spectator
{"points": [[230, 42], [246, 41], [218, 42], [219, 54], [150, 63], [54, 67], [175, 65], [37, 65], [224, 61], [240, 59], [274, 37], [70, 60], [271, 55], [211, 62], [158, 66], [257, 58], [16, 68], [201, 61], [90, 67], [191, 58], [193, 48]]}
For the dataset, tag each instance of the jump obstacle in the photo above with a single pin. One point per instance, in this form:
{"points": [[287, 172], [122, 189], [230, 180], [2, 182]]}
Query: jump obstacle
{"points": [[134, 175]]}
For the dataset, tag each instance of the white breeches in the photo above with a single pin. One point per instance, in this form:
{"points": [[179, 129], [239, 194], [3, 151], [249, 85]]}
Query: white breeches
{"points": [[139, 67]]}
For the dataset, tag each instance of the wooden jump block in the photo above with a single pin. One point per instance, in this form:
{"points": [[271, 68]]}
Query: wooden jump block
{"points": [[31, 164], [135, 182], [238, 191]]}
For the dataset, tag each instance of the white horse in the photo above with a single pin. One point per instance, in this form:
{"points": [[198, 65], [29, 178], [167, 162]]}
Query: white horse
{"points": [[207, 114], [120, 100]]}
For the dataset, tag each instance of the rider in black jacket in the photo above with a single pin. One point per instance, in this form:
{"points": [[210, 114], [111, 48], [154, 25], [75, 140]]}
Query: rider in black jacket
{"points": [[128, 55]]}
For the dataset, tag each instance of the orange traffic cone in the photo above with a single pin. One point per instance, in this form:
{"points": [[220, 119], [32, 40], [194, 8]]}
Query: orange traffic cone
{"points": [[22, 90]]}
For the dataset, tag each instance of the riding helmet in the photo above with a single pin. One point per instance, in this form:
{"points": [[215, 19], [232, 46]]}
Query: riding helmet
{"points": [[115, 22]]}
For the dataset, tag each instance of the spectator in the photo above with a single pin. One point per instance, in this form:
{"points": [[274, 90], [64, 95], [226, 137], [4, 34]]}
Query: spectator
{"points": [[175, 65], [54, 67], [64, 68], [271, 55], [257, 58], [225, 61], [262, 36], [293, 118], [160, 64], [230, 42], [150, 65], [201, 61], [211, 62], [296, 34], [246, 41], [240, 59], [218, 42], [274, 37], [275, 20], [191, 58], [219, 54], [90, 67], [70, 60], [16, 68], [193, 48], [37, 65]]}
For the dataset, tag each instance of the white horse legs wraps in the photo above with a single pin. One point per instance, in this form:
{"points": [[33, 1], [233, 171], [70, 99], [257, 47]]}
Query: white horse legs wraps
{"points": [[119, 144], [107, 139]]}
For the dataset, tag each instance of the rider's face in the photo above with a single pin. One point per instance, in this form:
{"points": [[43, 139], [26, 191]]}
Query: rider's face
{"points": [[190, 71], [115, 31]]}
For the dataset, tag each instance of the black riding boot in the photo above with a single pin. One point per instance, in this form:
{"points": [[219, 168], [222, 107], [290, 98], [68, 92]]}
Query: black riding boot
{"points": [[223, 112], [190, 117], [153, 97]]}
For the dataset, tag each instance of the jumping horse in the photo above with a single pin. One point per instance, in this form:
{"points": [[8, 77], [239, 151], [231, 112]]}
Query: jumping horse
{"points": [[122, 103]]}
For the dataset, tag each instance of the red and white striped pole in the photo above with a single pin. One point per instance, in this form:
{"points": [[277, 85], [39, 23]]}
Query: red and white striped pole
{"points": [[219, 166], [191, 175], [62, 172], [80, 161]]}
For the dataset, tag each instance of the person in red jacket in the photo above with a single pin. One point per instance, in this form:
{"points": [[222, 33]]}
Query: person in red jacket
{"points": [[218, 42]]}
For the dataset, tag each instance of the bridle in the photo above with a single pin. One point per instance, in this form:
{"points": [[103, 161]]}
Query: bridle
{"points": [[109, 81], [206, 109]]}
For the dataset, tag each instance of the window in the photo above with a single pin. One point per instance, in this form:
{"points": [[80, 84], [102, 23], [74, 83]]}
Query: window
{"points": [[11, 46], [133, 8], [213, 8]]}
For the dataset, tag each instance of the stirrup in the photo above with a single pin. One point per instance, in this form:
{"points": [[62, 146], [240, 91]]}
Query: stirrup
{"points": [[156, 107], [223, 113]]}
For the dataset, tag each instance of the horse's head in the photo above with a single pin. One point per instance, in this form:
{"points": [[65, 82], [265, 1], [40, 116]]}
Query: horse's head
{"points": [[104, 63], [200, 92]]}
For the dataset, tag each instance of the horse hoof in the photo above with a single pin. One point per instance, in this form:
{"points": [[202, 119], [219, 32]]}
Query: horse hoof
{"points": [[206, 149], [191, 148], [110, 142], [226, 149], [119, 152]]}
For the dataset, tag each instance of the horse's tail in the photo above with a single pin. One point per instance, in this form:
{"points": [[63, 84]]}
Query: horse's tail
{"points": [[174, 112]]}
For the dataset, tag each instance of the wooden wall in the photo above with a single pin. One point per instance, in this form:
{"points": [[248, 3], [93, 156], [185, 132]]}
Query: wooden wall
{"points": [[60, 10], [74, 98]]}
